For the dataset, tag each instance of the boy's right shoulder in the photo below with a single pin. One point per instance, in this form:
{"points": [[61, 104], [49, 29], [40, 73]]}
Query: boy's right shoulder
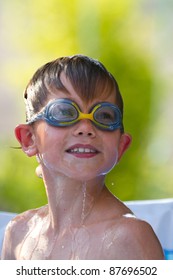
{"points": [[24, 217], [16, 231], [20, 224]]}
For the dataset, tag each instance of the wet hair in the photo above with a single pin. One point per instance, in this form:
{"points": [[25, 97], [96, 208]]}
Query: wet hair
{"points": [[88, 76]]}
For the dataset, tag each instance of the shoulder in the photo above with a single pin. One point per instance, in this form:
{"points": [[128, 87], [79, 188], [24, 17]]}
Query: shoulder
{"points": [[23, 219], [126, 236], [137, 238], [16, 231]]}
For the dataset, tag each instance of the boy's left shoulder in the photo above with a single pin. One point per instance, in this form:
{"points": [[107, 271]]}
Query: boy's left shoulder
{"points": [[138, 237]]}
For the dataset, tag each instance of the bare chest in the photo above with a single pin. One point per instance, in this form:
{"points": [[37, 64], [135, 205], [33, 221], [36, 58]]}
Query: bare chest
{"points": [[82, 243]]}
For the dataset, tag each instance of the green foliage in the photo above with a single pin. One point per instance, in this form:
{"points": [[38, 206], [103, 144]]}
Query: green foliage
{"points": [[20, 188]]}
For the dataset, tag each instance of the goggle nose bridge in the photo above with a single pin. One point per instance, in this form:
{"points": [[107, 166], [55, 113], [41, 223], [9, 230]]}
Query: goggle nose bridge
{"points": [[83, 116]]}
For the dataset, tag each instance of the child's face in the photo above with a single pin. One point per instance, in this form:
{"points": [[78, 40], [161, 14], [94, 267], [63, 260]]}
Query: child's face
{"points": [[81, 151]]}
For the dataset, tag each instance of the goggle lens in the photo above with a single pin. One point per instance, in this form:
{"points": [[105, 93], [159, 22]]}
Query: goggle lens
{"points": [[106, 115], [62, 112]]}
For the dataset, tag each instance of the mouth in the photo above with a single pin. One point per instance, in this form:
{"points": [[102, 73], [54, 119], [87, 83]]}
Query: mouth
{"points": [[82, 151]]}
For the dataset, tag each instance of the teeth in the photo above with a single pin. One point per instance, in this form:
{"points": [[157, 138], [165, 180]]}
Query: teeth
{"points": [[82, 150]]}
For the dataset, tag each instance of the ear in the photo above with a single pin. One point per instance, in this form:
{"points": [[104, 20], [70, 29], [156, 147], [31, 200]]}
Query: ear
{"points": [[124, 144], [25, 136]]}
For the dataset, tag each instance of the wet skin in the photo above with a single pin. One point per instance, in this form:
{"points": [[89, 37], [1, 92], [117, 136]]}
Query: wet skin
{"points": [[82, 220]]}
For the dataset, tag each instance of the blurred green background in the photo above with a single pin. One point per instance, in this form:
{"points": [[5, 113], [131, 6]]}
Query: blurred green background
{"points": [[133, 39]]}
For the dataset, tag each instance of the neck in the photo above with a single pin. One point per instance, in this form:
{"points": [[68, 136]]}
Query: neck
{"points": [[70, 201]]}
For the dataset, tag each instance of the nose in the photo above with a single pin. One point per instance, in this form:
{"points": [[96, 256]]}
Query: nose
{"points": [[84, 128]]}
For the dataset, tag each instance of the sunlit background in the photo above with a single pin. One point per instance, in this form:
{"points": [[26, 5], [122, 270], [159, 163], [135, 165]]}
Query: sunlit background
{"points": [[134, 40]]}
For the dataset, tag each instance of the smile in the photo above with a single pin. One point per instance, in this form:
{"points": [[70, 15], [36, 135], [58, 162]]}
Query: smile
{"points": [[82, 150]]}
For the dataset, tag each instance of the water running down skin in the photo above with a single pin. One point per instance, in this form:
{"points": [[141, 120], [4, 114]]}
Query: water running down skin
{"points": [[82, 219], [73, 226]]}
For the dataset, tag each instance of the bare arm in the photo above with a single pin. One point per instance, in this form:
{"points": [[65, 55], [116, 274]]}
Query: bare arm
{"points": [[135, 240], [14, 235], [7, 244]]}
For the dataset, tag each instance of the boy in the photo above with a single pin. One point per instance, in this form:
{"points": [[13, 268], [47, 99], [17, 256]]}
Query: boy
{"points": [[74, 127]]}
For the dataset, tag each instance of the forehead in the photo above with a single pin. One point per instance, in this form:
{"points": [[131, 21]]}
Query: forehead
{"points": [[99, 93]]}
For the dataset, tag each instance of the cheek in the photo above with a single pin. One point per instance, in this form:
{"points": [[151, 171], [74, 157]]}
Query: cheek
{"points": [[49, 145], [111, 152], [111, 159]]}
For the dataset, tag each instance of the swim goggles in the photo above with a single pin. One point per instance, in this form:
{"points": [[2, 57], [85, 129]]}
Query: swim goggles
{"points": [[65, 112]]}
